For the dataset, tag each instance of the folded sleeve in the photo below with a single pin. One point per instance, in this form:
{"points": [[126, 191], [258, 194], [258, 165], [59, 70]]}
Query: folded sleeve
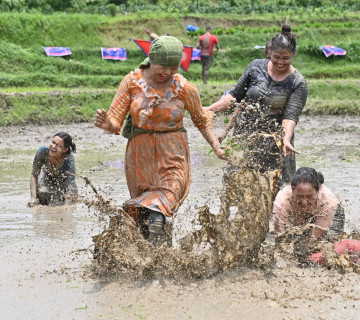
{"points": [[120, 105], [201, 118]]}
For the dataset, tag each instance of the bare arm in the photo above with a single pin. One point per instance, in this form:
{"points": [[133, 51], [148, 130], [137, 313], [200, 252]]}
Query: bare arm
{"points": [[33, 196], [289, 126], [236, 113], [225, 103], [212, 139], [103, 121]]}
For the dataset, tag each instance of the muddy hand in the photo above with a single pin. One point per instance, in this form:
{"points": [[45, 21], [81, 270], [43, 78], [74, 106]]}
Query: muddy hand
{"points": [[102, 120], [33, 202], [220, 153], [289, 150]]}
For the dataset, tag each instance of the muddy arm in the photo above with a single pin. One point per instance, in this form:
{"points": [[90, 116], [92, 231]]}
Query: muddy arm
{"points": [[231, 122], [33, 183], [225, 103], [212, 139], [289, 126]]}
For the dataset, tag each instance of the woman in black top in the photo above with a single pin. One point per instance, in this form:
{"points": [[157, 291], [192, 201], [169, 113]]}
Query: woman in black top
{"points": [[277, 94]]}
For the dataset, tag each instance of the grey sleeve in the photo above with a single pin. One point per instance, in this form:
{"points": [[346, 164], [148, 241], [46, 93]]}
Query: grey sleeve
{"points": [[70, 180], [296, 101], [239, 92], [39, 160]]}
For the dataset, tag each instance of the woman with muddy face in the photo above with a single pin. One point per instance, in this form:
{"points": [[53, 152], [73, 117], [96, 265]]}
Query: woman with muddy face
{"points": [[274, 93], [308, 204], [53, 180], [157, 162]]}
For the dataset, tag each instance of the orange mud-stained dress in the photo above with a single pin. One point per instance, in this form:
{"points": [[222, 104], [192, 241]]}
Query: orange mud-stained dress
{"points": [[157, 163]]}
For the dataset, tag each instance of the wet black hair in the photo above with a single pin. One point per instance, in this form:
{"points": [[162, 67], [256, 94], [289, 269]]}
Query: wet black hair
{"points": [[284, 40], [267, 49], [68, 143], [307, 175]]}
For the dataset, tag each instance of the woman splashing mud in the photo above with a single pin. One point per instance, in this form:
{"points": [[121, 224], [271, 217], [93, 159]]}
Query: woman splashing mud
{"points": [[157, 162], [275, 94], [52, 180]]}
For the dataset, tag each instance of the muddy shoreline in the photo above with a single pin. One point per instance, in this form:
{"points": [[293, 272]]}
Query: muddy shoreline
{"points": [[44, 267]]}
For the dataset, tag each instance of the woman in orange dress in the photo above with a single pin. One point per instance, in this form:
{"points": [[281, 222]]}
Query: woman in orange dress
{"points": [[157, 162]]}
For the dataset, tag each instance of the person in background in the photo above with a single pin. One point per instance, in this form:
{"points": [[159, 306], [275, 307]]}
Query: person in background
{"points": [[267, 50], [157, 162], [206, 43], [53, 180], [306, 201], [152, 35], [280, 92]]}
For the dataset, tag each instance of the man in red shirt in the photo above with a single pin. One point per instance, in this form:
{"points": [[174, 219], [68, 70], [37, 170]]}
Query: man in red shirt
{"points": [[206, 43]]}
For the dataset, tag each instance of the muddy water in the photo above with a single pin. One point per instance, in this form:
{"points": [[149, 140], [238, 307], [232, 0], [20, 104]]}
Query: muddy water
{"points": [[43, 253]]}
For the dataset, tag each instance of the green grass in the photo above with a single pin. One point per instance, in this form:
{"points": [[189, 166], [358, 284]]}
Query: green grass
{"points": [[78, 79]]}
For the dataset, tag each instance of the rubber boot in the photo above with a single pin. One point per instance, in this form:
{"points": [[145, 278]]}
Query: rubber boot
{"points": [[143, 222], [338, 222], [157, 235]]}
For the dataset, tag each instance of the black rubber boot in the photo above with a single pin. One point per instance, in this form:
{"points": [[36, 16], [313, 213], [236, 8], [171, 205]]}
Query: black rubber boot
{"points": [[143, 222], [157, 235]]}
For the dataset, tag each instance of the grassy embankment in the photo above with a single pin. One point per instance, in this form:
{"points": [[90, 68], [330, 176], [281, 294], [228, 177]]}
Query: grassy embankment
{"points": [[40, 89]]}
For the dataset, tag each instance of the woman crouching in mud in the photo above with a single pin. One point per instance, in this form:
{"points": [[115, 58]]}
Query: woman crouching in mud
{"points": [[53, 180], [157, 162], [307, 203]]}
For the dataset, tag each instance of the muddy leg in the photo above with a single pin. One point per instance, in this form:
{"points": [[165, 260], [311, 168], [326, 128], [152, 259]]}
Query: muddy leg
{"points": [[157, 235], [337, 226], [143, 222]]}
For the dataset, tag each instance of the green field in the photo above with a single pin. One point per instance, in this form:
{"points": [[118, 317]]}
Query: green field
{"points": [[40, 89]]}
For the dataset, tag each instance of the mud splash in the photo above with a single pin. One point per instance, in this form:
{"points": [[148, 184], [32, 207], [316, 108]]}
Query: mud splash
{"points": [[226, 239]]}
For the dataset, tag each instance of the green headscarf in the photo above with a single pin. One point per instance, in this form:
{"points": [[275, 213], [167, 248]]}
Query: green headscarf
{"points": [[166, 51]]}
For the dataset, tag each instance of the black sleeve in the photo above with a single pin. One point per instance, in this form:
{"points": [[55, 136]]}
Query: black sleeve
{"points": [[296, 101], [239, 92]]}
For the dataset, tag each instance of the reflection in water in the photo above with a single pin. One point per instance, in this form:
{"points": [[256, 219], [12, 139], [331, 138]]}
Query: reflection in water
{"points": [[41, 276], [53, 221]]}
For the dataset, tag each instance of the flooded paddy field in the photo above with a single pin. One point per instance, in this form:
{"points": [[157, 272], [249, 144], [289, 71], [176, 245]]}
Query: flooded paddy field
{"points": [[45, 252]]}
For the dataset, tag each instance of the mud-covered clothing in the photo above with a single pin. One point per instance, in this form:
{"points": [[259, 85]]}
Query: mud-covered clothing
{"points": [[206, 43], [53, 181], [277, 100], [157, 162], [285, 214], [206, 62]]}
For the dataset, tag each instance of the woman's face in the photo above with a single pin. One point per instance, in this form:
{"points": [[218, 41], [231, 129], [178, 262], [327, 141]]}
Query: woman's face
{"points": [[305, 197], [162, 74], [281, 59], [57, 147]]}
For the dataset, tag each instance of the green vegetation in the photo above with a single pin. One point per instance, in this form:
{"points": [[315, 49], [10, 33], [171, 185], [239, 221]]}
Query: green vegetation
{"points": [[40, 89]]}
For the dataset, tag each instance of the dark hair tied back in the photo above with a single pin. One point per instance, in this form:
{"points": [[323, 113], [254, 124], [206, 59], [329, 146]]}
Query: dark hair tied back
{"points": [[286, 29], [307, 175], [68, 143], [284, 40]]}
